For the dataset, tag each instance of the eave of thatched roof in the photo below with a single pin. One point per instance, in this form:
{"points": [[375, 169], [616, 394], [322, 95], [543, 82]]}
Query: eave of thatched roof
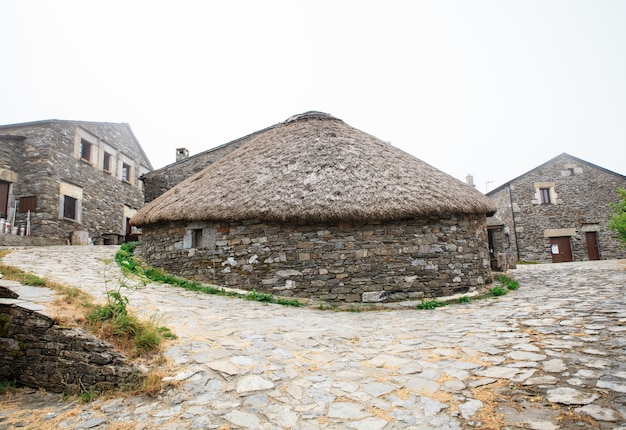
{"points": [[315, 167]]}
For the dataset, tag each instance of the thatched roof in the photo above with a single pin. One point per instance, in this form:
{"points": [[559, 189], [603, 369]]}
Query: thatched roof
{"points": [[315, 167]]}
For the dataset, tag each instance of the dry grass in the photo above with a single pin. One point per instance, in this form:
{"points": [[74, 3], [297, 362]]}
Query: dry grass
{"points": [[153, 383], [403, 393], [379, 413], [67, 310], [491, 399], [569, 419]]}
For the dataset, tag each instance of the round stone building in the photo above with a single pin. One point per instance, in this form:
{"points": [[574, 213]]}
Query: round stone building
{"points": [[315, 208]]}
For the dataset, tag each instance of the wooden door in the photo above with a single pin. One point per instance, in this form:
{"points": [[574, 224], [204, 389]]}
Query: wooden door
{"points": [[4, 199], [592, 245], [561, 249]]}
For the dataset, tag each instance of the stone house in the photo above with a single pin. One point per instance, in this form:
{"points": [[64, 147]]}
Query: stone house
{"points": [[58, 175], [317, 209], [556, 212]]}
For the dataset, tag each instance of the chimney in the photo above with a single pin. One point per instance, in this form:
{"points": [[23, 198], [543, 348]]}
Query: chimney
{"points": [[469, 179], [182, 154]]}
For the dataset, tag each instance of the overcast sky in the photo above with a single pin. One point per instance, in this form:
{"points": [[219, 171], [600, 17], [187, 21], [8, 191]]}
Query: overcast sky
{"points": [[492, 88]]}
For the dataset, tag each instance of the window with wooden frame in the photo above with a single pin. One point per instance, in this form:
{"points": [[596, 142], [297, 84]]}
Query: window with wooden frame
{"points": [[196, 238], [544, 196], [126, 172], [27, 204], [70, 207], [106, 162], [85, 150]]}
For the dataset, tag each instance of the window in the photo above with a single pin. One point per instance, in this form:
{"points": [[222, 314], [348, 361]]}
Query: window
{"points": [[85, 150], [126, 172], [27, 204], [196, 238], [544, 195], [106, 162], [70, 207]]}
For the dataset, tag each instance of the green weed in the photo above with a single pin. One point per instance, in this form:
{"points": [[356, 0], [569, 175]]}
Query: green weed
{"points": [[259, 297], [508, 282], [87, 397], [134, 265], [430, 304], [497, 291], [7, 385]]}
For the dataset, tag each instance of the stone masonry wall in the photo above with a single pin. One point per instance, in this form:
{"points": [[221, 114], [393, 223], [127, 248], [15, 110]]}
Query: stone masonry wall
{"points": [[583, 192], [37, 353], [393, 261]]}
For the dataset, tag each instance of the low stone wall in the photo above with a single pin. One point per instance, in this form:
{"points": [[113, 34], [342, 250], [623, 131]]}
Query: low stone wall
{"points": [[15, 240], [400, 260], [38, 353]]}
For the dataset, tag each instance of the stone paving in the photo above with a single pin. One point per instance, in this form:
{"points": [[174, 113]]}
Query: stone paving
{"points": [[547, 356]]}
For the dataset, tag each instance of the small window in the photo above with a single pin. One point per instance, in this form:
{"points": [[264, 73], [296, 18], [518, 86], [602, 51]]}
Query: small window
{"points": [[27, 204], [85, 150], [70, 207], [106, 162], [126, 172], [196, 238], [544, 194]]}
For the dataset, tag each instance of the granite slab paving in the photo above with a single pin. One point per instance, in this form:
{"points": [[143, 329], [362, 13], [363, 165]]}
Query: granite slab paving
{"points": [[547, 356]]}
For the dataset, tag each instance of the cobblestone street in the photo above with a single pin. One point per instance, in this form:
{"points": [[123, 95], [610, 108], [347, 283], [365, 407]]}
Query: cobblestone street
{"points": [[547, 356]]}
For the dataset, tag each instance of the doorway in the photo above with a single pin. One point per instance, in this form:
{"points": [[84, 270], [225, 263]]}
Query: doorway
{"points": [[561, 249], [592, 245], [4, 199]]}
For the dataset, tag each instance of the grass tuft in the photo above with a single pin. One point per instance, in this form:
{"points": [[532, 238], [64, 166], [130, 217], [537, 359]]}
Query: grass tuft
{"points": [[430, 304], [508, 282]]}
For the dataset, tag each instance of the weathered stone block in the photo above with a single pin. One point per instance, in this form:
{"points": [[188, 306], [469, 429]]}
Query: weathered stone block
{"points": [[374, 297]]}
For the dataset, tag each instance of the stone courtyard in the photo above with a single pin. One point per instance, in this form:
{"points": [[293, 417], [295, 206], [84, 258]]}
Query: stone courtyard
{"points": [[547, 356]]}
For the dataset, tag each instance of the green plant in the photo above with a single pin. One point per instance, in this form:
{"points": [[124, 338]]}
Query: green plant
{"points": [[287, 302], [7, 385], [497, 291], [464, 299], [430, 304], [617, 215], [113, 321], [259, 297], [87, 397], [508, 282], [5, 325]]}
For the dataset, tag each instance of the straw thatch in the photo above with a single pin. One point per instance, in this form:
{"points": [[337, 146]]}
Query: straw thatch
{"points": [[314, 167]]}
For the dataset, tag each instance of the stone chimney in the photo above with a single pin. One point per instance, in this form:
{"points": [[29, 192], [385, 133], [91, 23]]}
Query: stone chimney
{"points": [[182, 154], [469, 179]]}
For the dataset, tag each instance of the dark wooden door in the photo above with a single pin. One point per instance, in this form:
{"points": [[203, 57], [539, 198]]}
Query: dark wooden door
{"points": [[592, 245], [561, 249], [4, 198]]}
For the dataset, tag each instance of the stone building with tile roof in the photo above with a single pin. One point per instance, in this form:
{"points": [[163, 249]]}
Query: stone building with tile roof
{"points": [[556, 212]]}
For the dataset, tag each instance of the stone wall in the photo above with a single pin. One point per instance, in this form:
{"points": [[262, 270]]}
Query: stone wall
{"points": [[392, 261], [38, 353], [581, 192], [47, 158]]}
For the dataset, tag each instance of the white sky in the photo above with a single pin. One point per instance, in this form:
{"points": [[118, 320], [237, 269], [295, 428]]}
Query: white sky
{"points": [[492, 88]]}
